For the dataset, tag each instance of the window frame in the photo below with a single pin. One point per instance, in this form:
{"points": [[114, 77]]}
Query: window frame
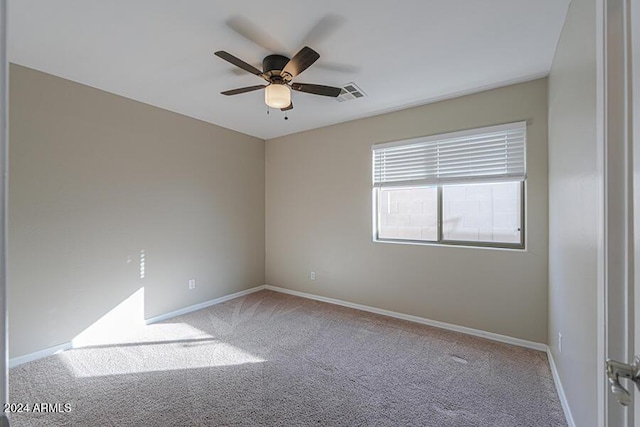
{"points": [[463, 157], [441, 241]]}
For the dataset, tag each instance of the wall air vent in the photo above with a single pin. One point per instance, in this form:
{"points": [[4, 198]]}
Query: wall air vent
{"points": [[350, 91]]}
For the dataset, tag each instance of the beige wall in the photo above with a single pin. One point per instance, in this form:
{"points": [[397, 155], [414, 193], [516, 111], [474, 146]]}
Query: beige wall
{"points": [[318, 217], [573, 210], [95, 179]]}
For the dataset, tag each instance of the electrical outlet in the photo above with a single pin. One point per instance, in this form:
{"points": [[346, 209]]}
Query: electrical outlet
{"points": [[313, 275], [192, 283], [559, 342]]}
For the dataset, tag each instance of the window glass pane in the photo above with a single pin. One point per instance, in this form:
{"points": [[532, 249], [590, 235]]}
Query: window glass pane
{"points": [[482, 212], [408, 213]]}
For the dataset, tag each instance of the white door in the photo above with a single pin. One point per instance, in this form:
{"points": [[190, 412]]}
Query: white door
{"points": [[634, 130], [621, 274]]}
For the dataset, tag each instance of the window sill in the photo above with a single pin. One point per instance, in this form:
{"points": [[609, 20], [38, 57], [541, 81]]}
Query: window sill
{"points": [[509, 248]]}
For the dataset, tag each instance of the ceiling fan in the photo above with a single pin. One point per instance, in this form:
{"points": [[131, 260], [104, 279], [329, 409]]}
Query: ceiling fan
{"points": [[279, 71]]}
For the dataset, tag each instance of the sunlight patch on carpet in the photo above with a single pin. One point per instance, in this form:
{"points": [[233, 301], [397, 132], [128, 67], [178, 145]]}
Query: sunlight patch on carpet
{"points": [[120, 343], [126, 359]]}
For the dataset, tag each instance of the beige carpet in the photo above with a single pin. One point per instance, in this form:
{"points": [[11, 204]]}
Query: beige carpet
{"points": [[273, 359]]}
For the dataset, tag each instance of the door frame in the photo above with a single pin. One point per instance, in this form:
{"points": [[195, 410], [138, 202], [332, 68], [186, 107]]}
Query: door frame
{"points": [[601, 300], [4, 164]]}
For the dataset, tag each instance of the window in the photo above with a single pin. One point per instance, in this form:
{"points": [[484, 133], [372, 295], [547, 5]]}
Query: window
{"points": [[457, 188]]}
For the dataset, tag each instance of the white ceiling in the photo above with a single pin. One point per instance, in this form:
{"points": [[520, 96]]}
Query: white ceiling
{"points": [[400, 53]]}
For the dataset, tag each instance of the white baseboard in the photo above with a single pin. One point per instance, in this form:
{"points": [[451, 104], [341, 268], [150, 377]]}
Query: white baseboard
{"points": [[202, 305], [39, 354], [442, 325], [563, 397]]}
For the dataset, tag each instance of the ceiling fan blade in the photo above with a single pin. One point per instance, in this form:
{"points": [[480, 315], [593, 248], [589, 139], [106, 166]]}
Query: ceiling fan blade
{"points": [[243, 90], [238, 62], [254, 33], [324, 28], [317, 89], [290, 107], [301, 61]]}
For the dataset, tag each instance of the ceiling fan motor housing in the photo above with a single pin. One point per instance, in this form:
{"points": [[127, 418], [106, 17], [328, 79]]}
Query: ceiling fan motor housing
{"points": [[273, 64]]}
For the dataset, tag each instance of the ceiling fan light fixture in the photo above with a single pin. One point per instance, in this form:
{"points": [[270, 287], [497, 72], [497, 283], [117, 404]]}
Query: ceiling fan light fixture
{"points": [[277, 95]]}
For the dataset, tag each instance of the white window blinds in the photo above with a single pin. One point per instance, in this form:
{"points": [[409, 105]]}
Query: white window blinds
{"points": [[490, 154]]}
